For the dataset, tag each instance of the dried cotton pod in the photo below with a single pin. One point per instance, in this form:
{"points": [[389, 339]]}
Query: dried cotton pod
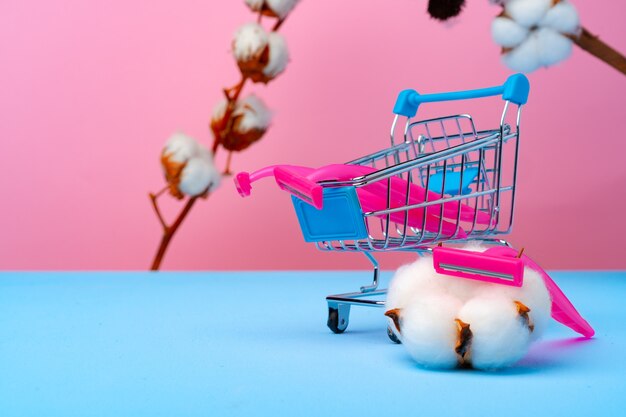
{"points": [[188, 167], [273, 8], [535, 33], [248, 122], [261, 56]]}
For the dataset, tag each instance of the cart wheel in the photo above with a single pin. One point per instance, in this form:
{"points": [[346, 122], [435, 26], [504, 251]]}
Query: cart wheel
{"points": [[392, 336], [337, 322]]}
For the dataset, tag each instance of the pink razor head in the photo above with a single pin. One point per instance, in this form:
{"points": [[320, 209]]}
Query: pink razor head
{"points": [[481, 266], [299, 186], [503, 265], [563, 310]]}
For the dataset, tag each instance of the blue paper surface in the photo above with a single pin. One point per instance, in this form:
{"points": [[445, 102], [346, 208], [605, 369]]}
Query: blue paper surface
{"points": [[256, 344]]}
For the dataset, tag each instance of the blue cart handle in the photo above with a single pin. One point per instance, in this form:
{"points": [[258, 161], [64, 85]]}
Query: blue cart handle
{"points": [[515, 89]]}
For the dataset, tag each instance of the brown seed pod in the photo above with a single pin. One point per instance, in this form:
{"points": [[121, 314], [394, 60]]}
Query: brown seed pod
{"points": [[445, 9]]}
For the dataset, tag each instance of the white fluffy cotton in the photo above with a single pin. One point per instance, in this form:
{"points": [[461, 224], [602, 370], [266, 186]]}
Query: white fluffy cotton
{"points": [[279, 55], [249, 42], [527, 13], [534, 32], [507, 33], [429, 303], [254, 114], [199, 173], [499, 336], [280, 7], [180, 147], [219, 111], [562, 17], [429, 332]]}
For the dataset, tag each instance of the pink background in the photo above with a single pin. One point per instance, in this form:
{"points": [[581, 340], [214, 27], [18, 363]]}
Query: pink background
{"points": [[91, 90]]}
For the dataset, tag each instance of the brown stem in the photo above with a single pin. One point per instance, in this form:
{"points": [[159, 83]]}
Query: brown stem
{"points": [[168, 234], [596, 47], [232, 99], [278, 24], [153, 198], [228, 160]]}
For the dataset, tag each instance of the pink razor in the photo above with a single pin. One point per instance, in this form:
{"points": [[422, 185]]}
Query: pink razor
{"points": [[302, 182], [502, 265]]}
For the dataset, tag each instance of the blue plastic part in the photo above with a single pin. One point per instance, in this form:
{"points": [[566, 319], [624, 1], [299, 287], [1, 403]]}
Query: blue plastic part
{"points": [[403, 105], [453, 179], [515, 89], [341, 217]]}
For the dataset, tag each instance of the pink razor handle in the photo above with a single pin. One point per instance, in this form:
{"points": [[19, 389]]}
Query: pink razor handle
{"points": [[501, 265], [479, 266]]}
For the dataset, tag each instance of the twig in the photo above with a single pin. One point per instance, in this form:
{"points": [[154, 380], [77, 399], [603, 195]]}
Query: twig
{"points": [[228, 159], [278, 24], [596, 47], [230, 108], [168, 234], [153, 198]]}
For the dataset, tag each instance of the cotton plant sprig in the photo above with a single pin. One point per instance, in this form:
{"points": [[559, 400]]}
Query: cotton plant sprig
{"points": [[236, 123], [536, 33]]}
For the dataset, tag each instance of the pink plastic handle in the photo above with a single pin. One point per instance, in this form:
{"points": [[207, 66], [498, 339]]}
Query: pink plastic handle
{"points": [[563, 310], [244, 180], [301, 182], [300, 186], [481, 266]]}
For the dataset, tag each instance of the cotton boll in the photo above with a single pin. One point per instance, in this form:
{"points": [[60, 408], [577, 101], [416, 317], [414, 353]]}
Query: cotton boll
{"points": [[499, 335], [536, 296], [255, 5], [563, 18], [428, 330], [249, 42], [198, 176], [281, 7], [188, 166], [180, 148], [219, 111], [253, 114], [507, 33], [527, 13], [410, 280], [278, 55], [525, 57], [278, 8], [552, 46]]}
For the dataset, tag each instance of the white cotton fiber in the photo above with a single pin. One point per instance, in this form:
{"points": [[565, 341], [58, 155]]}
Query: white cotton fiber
{"points": [[281, 7], [255, 5], [428, 330], [507, 33], [525, 57], [428, 304], [279, 55], [527, 13], [552, 46], [533, 294], [409, 280], [253, 114], [180, 148], [219, 110], [499, 335], [563, 18], [198, 175], [249, 42], [198, 172]]}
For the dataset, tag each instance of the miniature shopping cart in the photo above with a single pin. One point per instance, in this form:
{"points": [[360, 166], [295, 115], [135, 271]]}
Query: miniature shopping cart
{"points": [[440, 180]]}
